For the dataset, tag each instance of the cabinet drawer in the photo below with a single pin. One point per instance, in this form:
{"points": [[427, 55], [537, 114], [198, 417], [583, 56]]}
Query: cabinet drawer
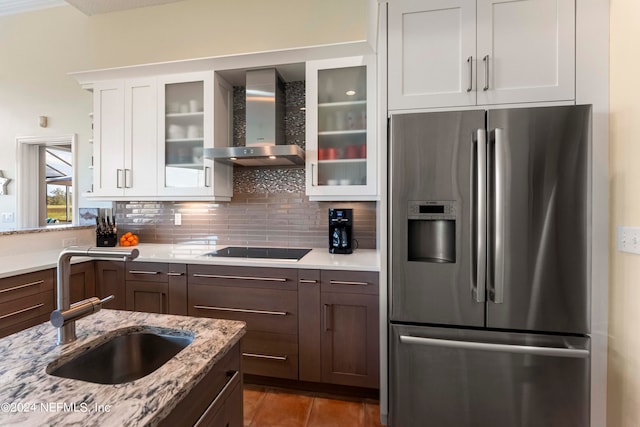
{"points": [[29, 311], [353, 282], [272, 355], [266, 310], [253, 277], [217, 384], [147, 271], [26, 285]]}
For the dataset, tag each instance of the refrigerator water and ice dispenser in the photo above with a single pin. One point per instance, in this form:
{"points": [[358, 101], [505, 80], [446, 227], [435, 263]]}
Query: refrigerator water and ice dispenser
{"points": [[431, 231]]}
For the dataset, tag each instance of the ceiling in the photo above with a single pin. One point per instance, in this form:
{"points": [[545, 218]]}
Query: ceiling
{"points": [[88, 7]]}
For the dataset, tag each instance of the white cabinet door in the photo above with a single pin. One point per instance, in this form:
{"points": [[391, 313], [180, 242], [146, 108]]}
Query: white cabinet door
{"points": [[108, 138], [431, 53], [341, 149], [186, 117], [140, 137], [529, 46]]}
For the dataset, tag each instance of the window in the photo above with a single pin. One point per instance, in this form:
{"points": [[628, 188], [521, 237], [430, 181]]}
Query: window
{"points": [[59, 183], [44, 180]]}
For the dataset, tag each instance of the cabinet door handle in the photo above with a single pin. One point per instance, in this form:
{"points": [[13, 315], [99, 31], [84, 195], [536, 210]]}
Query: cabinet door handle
{"points": [[118, 175], [173, 273], [486, 72], [33, 307], [127, 184], [26, 285], [313, 175], [220, 276], [206, 176], [143, 272], [325, 313], [241, 310], [343, 282], [470, 62], [265, 356], [307, 281]]}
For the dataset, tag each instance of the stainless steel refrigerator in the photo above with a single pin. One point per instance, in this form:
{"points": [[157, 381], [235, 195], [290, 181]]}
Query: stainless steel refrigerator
{"points": [[490, 215]]}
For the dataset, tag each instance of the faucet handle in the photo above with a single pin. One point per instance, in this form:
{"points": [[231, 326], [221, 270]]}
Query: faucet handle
{"points": [[78, 310], [106, 299]]}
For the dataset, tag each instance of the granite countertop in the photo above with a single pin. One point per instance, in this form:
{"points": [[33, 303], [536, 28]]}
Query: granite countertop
{"points": [[29, 396], [318, 258]]}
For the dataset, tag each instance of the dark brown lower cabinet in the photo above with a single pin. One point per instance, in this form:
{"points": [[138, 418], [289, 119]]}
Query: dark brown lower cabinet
{"points": [[82, 281], [339, 332], [110, 281], [156, 287], [266, 299], [25, 300], [216, 401], [350, 350]]}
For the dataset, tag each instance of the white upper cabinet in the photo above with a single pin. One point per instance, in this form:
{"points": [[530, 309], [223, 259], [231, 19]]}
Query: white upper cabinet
{"points": [[446, 53], [431, 55], [341, 148], [124, 138], [530, 51], [189, 107], [150, 133]]}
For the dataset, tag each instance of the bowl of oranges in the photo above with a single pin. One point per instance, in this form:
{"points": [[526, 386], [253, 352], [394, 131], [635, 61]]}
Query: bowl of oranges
{"points": [[129, 239]]}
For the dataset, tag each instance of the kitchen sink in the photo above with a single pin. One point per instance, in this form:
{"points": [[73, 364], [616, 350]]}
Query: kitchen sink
{"points": [[124, 358]]}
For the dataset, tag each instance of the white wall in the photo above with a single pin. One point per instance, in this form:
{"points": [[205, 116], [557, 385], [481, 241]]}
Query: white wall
{"points": [[624, 296], [38, 49]]}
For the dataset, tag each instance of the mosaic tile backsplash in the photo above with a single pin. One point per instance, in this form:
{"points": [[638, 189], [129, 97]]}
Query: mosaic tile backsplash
{"points": [[269, 206], [250, 219]]}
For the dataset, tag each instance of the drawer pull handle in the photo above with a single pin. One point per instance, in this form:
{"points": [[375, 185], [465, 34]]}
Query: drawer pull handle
{"points": [[143, 272], [33, 307], [172, 273], [26, 285], [241, 310], [220, 276], [221, 395], [308, 281], [342, 282], [265, 356]]}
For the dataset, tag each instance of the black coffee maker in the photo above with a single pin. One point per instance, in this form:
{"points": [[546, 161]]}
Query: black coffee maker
{"points": [[340, 231]]}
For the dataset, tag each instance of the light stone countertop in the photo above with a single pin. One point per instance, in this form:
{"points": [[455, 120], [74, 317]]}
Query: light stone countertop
{"points": [[318, 258], [37, 398]]}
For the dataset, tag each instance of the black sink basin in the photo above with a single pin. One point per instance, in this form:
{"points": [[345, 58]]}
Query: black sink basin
{"points": [[123, 358]]}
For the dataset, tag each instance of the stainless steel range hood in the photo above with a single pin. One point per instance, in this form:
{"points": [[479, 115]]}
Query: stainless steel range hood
{"points": [[265, 144]]}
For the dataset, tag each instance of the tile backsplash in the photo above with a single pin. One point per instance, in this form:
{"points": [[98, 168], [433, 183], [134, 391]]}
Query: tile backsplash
{"points": [[251, 219], [269, 206]]}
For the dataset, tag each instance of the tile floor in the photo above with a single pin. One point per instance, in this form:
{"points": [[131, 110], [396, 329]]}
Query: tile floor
{"points": [[271, 407]]}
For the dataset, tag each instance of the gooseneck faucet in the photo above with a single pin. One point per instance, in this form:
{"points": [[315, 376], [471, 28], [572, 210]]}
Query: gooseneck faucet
{"points": [[64, 318]]}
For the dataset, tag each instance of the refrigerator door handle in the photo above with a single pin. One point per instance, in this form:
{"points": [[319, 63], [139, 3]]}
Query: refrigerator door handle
{"points": [[499, 212], [481, 215], [502, 348]]}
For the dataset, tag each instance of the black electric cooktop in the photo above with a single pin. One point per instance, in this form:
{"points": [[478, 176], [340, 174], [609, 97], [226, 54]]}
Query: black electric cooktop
{"points": [[270, 253]]}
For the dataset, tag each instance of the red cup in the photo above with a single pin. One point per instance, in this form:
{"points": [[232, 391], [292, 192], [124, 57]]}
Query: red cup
{"points": [[322, 154], [363, 151], [353, 151], [332, 153]]}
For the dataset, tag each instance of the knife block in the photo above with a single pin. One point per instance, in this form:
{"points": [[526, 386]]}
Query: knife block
{"points": [[106, 240]]}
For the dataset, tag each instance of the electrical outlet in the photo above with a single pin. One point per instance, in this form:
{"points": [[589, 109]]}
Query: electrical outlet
{"points": [[69, 242], [628, 239], [7, 217], [177, 219]]}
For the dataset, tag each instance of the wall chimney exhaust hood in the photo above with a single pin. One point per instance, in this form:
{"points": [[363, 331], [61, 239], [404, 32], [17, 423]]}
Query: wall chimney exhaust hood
{"points": [[265, 142]]}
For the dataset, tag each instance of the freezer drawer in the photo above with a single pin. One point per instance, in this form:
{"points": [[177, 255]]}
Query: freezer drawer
{"points": [[471, 378]]}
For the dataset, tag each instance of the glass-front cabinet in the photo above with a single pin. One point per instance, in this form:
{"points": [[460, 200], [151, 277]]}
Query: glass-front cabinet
{"points": [[340, 126], [187, 116]]}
